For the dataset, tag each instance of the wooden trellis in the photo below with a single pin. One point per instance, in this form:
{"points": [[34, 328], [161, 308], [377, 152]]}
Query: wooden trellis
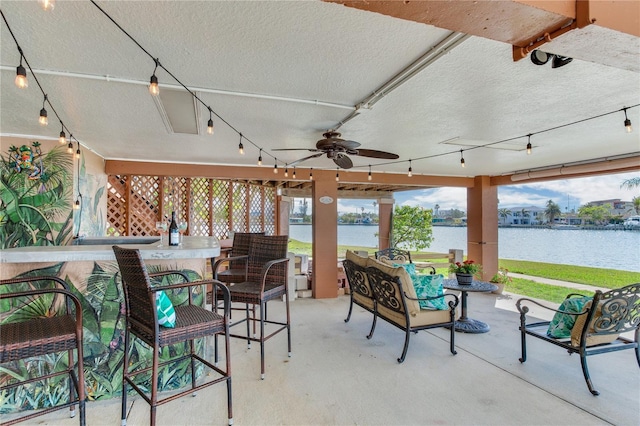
{"points": [[211, 207]]}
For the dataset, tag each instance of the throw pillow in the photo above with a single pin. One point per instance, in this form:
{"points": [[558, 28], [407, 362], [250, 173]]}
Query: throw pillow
{"points": [[561, 324], [430, 286], [409, 267], [165, 310]]}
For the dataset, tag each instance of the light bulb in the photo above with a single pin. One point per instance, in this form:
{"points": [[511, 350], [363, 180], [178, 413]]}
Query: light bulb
{"points": [[43, 120], [153, 86], [70, 148], [294, 172], [63, 137], [311, 174], [337, 177], [76, 206], [241, 149], [260, 159], [78, 153], [462, 162], [627, 125], [47, 4], [21, 77], [210, 127], [275, 168], [410, 173], [529, 148], [286, 172]]}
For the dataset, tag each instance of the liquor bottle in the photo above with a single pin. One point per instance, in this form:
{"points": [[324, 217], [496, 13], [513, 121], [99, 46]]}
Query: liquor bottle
{"points": [[174, 235]]}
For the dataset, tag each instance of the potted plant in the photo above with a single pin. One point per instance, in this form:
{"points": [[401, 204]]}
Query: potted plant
{"points": [[500, 279], [464, 271]]}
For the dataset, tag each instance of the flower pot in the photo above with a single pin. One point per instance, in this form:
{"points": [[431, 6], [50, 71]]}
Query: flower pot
{"points": [[500, 288], [464, 279]]}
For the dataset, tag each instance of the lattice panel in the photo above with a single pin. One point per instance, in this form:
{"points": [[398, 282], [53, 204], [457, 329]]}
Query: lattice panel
{"points": [[220, 208], [200, 217], [116, 205], [240, 207], [256, 211], [212, 207], [143, 205], [269, 195]]}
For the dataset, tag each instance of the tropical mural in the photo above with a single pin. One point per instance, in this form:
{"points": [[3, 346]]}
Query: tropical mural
{"points": [[103, 313], [39, 185]]}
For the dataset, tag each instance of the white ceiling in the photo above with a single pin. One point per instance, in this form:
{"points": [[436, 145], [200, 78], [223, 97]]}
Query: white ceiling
{"points": [[282, 73]]}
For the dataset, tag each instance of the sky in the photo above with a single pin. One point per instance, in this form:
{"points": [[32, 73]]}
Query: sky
{"points": [[571, 193]]}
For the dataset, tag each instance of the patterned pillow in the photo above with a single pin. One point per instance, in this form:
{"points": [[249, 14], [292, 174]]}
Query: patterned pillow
{"points": [[409, 267], [430, 286], [164, 308], [561, 324]]}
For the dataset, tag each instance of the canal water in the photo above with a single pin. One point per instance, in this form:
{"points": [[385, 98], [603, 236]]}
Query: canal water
{"points": [[597, 248]]}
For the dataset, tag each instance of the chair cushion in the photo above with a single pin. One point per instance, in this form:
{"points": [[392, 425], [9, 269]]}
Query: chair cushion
{"points": [[561, 324], [592, 340], [407, 284], [358, 260], [165, 310]]}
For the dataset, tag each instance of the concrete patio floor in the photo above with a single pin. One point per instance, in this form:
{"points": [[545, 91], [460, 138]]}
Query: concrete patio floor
{"points": [[338, 377]]}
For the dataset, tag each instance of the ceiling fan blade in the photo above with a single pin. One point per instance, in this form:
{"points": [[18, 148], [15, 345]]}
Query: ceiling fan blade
{"points": [[376, 154], [296, 149], [305, 159], [343, 161]]}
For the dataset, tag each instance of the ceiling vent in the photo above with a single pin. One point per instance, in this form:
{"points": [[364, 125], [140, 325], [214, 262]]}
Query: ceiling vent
{"points": [[178, 111]]}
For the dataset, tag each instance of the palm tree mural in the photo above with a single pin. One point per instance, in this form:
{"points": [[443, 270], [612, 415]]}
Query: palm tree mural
{"points": [[35, 197]]}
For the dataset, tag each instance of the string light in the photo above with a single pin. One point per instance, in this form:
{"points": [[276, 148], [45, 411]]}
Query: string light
{"points": [[311, 174], [275, 167], [286, 171], [240, 146], [461, 159], [294, 172], [21, 74], [337, 175], [410, 169], [369, 177], [627, 122], [47, 4], [260, 158], [210, 123], [43, 120], [70, 147], [78, 151], [529, 144], [153, 81], [63, 137]]}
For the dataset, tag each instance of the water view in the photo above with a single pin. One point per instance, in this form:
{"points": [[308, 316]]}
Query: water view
{"points": [[599, 249]]}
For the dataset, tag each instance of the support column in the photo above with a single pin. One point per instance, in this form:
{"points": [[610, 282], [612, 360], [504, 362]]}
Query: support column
{"points": [[482, 225], [325, 235], [283, 208], [385, 217]]}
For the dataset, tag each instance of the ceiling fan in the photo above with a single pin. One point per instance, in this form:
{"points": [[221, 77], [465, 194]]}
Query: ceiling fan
{"points": [[337, 149]]}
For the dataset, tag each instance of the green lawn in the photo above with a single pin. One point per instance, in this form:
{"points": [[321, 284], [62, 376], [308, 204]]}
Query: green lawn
{"points": [[608, 278]]}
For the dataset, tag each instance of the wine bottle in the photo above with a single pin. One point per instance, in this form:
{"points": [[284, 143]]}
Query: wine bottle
{"points": [[174, 235]]}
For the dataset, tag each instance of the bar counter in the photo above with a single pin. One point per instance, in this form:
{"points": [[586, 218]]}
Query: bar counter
{"points": [[90, 269], [100, 248]]}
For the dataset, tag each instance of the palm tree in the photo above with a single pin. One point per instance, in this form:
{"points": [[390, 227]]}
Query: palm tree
{"points": [[525, 213], [631, 183], [503, 213], [552, 211]]}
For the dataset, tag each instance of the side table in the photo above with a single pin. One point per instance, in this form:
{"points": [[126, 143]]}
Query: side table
{"points": [[464, 323]]}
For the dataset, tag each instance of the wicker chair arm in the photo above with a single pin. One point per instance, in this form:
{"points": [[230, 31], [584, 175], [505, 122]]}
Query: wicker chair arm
{"points": [[267, 266], [171, 272], [52, 278], [523, 309], [68, 296], [224, 260]]}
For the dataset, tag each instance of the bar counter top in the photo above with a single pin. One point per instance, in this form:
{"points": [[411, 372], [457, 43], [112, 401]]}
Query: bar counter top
{"points": [[100, 248]]}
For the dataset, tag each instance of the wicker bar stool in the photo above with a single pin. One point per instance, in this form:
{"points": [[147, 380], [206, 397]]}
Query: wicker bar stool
{"points": [[58, 331], [192, 322], [236, 260], [267, 279]]}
